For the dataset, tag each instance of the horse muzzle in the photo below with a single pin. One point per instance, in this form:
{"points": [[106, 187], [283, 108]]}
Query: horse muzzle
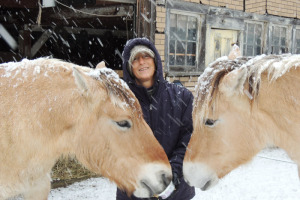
{"points": [[154, 180], [199, 175]]}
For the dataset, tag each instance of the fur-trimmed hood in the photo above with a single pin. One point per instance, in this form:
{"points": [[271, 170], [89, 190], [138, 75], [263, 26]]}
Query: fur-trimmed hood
{"points": [[126, 55]]}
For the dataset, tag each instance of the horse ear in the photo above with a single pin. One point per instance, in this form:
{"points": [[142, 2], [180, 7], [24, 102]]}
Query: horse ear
{"points": [[101, 65], [233, 82], [235, 52], [80, 80]]}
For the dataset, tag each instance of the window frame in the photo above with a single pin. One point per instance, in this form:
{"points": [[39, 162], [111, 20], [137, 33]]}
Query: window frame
{"points": [[245, 37], [287, 40], [187, 70]]}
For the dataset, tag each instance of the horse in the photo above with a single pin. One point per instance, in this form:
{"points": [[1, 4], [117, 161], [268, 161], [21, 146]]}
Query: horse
{"points": [[243, 105], [52, 108]]}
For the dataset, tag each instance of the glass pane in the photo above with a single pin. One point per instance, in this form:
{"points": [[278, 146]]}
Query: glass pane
{"points": [[180, 47], [249, 50], [172, 33], [275, 50], [191, 48], [172, 20], [258, 30], [244, 49], [192, 29], [298, 51], [283, 41], [258, 50], [180, 60], [181, 28], [276, 35], [172, 26], [258, 33], [258, 41], [172, 59], [250, 36], [250, 39], [283, 32], [191, 60], [298, 34], [172, 46], [251, 28], [298, 43]]}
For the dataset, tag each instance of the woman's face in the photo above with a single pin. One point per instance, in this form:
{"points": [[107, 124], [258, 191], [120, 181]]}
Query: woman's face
{"points": [[143, 68]]}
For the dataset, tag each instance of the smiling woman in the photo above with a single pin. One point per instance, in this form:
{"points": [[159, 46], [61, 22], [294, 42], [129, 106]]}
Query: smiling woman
{"points": [[167, 108], [142, 66]]}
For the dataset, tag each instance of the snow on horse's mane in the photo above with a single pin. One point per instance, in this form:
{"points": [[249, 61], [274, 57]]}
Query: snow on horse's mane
{"points": [[115, 86], [275, 65]]}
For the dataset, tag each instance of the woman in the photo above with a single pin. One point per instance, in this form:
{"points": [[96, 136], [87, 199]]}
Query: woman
{"points": [[167, 108]]}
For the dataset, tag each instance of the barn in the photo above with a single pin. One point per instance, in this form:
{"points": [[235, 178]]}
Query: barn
{"points": [[189, 34]]}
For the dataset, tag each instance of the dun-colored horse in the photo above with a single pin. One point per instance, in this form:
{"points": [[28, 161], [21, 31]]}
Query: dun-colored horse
{"points": [[242, 106], [51, 108]]}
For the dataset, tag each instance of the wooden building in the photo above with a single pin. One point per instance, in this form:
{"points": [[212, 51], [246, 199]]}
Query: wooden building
{"points": [[189, 34]]}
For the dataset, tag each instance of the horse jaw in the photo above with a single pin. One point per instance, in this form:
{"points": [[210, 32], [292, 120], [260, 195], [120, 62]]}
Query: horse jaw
{"points": [[149, 186], [199, 175]]}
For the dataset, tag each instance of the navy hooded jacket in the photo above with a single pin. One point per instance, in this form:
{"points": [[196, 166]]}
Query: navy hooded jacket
{"points": [[168, 112]]}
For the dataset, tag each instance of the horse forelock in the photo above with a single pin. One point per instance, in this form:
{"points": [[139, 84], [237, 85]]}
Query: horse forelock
{"points": [[274, 65], [208, 82], [117, 90]]}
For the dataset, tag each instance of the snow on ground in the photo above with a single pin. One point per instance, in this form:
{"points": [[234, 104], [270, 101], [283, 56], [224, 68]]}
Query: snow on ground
{"points": [[270, 176]]}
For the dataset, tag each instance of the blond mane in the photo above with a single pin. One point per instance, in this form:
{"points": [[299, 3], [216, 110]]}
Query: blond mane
{"points": [[274, 65], [117, 90]]}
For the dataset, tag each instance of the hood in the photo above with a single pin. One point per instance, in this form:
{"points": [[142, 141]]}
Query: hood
{"points": [[126, 55]]}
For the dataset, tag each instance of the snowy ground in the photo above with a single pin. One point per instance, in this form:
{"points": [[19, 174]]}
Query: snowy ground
{"points": [[270, 176]]}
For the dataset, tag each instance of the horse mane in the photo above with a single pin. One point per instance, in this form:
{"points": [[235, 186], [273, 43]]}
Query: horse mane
{"points": [[207, 87], [118, 90]]}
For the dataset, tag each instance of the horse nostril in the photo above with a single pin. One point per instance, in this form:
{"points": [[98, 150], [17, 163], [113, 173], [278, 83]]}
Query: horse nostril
{"points": [[166, 179], [146, 185], [207, 184]]}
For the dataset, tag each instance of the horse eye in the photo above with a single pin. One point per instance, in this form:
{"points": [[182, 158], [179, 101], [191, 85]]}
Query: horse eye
{"points": [[210, 122], [124, 124]]}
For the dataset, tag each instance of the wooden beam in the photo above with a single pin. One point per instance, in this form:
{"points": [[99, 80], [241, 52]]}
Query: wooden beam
{"points": [[19, 4], [40, 42], [7, 37], [91, 31], [25, 42]]}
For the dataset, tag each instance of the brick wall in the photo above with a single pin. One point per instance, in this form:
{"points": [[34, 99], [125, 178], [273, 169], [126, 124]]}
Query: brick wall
{"points": [[287, 8], [188, 81], [160, 31], [256, 6]]}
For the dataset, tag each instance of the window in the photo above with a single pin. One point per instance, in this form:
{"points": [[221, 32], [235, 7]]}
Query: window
{"points": [[183, 39], [279, 42], [297, 41], [252, 39]]}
